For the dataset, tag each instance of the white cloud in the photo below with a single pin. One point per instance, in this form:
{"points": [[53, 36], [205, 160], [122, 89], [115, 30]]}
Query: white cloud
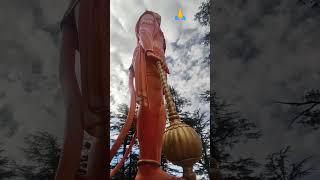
{"points": [[186, 60]]}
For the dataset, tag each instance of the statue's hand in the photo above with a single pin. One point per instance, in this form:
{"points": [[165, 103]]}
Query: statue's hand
{"points": [[165, 68], [154, 57]]}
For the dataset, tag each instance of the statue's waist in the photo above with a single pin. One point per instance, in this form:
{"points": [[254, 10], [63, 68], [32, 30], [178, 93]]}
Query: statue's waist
{"points": [[150, 64]]}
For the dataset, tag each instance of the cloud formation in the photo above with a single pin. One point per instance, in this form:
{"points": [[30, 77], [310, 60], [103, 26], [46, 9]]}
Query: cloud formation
{"points": [[30, 98], [266, 51], [184, 53]]}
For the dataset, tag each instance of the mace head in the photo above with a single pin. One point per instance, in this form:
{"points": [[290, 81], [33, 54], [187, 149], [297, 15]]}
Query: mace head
{"points": [[182, 145]]}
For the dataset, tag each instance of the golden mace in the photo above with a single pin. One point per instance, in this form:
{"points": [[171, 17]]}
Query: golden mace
{"points": [[182, 145]]}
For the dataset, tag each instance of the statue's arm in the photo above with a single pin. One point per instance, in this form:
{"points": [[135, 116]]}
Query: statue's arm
{"points": [[146, 29], [67, 73], [70, 156]]}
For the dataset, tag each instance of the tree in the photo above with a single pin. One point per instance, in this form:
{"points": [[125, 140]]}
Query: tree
{"points": [[227, 129], [6, 169], [307, 111], [279, 167], [180, 102], [203, 17], [42, 151], [201, 123], [128, 170], [242, 168]]}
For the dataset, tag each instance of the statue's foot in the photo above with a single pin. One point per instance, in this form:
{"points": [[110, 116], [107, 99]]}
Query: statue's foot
{"points": [[151, 172]]}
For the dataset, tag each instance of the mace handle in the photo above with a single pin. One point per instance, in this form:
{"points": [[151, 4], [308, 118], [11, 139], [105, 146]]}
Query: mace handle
{"points": [[188, 173], [172, 111]]}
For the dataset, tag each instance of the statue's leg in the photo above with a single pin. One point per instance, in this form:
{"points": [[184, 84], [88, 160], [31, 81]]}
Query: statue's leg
{"points": [[91, 20], [92, 29], [151, 122], [150, 129]]}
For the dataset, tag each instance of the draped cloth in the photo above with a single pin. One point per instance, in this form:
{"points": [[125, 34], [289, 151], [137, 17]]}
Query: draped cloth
{"points": [[149, 38], [152, 117], [145, 87], [90, 40]]}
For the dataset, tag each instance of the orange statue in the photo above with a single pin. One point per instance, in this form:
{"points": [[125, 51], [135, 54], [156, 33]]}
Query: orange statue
{"points": [[84, 29], [148, 93]]}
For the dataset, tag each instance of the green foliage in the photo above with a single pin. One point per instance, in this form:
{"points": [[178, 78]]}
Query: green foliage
{"points": [[279, 166], [6, 169], [42, 152], [128, 170], [307, 112], [180, 102], [203, 17], [243, 168], [228, 129]]}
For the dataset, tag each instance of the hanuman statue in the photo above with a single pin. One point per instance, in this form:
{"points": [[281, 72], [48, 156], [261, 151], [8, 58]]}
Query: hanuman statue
{"points": [[147, 93], [84, 30]]}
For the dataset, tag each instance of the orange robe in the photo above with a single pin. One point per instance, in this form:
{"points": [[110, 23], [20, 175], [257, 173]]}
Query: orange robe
{"points": [[152, 116], [151, 119], [90, 39]]}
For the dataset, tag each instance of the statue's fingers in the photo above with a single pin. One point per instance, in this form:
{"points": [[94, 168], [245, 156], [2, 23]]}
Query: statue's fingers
{"points": [[165, 68]]}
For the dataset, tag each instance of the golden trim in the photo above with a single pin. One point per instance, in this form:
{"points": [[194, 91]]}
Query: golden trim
{"points": [[148, 161]]}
